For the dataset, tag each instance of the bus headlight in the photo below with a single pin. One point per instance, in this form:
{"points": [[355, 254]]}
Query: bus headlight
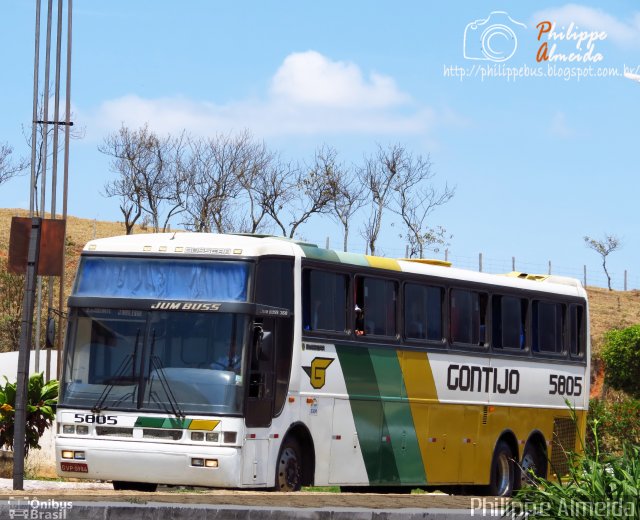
{"points": [[68, 428], [82, 429], [197, 436], [211, 463], [213, 436], [67, 454]]}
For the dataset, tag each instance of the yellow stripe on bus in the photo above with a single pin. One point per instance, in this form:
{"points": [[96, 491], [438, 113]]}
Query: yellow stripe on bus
{"points": [[203, 424], [383, 263]]}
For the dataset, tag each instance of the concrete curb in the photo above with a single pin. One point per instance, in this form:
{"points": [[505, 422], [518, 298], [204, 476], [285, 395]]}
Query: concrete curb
{"points": [[61, 510]]}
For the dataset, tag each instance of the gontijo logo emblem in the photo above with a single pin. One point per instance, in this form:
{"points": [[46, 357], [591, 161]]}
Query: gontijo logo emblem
{"points": [[317, 371]]}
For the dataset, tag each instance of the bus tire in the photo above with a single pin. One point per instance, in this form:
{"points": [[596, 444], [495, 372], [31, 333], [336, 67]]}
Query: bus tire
{"points": [[503, 471], [533, 459], [289, 466], [121, 485]]}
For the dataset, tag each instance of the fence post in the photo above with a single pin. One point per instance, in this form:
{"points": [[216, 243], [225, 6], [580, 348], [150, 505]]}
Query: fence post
{"points": [[480, 262], [585, 276]]}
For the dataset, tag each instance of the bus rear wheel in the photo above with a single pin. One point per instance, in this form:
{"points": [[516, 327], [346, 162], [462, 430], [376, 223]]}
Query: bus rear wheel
{"points": [[533, 461], [502, 471], [121, 485], [289, 466]]}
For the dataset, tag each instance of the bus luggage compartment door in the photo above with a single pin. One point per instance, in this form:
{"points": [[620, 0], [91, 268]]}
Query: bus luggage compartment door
{"points": [[255, 454]]}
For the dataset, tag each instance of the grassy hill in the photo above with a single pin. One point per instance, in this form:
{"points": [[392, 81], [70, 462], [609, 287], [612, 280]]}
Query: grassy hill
{"points": [[608, 309]]}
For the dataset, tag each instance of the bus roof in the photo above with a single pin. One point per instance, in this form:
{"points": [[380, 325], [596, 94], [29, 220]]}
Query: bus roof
{"points": [[211, 244]]}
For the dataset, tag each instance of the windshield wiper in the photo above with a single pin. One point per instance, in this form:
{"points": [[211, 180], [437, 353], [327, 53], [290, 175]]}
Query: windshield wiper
{"points": [[119, 377], [156, 363]]}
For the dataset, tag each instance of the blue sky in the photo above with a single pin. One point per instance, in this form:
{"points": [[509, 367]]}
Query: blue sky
{"points": [[537, 162]]}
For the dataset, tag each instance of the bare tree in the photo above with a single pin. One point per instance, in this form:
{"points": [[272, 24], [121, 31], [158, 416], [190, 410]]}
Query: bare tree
{"points": [[379, 178], [416, 199], [255, 176], [213, 168], [604, 248], [347, 196], [144, 163], [8, 167], [304, 191]]}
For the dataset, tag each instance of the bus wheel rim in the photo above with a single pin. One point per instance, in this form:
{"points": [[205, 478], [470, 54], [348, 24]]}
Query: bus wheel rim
{"points": [[504, 475], [288, 470], [528, 464]]}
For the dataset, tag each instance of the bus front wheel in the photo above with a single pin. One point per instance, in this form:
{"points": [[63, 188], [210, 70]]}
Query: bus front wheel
{"points": [[502, 471], [289, 466]]}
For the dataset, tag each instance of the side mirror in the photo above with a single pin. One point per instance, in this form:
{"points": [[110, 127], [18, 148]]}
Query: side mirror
{"points": [[51, 333]]}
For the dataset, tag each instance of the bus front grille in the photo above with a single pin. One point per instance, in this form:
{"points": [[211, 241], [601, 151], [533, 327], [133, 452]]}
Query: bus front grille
{"points": [[174, 435], [109, 431]]}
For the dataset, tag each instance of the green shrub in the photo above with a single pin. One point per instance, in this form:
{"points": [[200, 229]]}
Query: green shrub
{"points": [[621, 354], [41, 401], [618, 424], [599, 485]]}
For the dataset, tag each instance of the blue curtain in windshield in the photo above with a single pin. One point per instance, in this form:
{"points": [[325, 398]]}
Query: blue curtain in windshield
{"points": [[166, 279]]}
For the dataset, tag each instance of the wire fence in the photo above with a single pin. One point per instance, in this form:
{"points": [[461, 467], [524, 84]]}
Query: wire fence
{"points": [[621, 280]]}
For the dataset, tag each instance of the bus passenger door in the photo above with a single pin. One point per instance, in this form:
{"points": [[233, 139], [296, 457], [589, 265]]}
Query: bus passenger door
{"points": [[260, 392]]}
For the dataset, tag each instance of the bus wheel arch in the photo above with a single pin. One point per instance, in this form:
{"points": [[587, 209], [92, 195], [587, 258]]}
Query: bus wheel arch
{"points": [[296, 444], [503, 472], [534, 457]]}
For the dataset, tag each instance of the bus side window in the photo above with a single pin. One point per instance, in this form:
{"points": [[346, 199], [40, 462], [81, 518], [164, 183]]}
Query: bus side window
{"points": [[324, 301], [423, 312], [378, 300], [509, 322], [548, 327], [576, 328], [468, 323]]}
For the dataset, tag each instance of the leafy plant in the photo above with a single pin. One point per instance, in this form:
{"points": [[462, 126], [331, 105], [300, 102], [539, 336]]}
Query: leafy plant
{"points": [[618, 423], [599, 485], [621, 354], [40, 407]]}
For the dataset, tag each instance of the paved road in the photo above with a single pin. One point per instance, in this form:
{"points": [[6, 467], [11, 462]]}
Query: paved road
{"points": [[98, 500]]}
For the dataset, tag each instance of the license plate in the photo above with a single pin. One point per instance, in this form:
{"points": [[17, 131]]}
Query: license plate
{"points": [[78, 467]]}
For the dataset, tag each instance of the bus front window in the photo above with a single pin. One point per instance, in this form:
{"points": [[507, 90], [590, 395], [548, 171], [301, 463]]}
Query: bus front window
{"points": [[161, 361]]}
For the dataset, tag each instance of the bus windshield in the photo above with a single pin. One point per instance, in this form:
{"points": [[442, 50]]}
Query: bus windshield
{"points": [[184, 362]]}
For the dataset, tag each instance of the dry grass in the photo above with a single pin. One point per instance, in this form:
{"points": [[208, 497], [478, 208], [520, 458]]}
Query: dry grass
{"points": [[608, 309]]}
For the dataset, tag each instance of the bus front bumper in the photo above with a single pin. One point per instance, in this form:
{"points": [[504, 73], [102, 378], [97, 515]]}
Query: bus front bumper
{"points": [[158, 463]]}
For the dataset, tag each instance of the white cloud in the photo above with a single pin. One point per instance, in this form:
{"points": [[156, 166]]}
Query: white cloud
{"points": [[308, 94], [622, 32], [559, 126], [309, 78]]}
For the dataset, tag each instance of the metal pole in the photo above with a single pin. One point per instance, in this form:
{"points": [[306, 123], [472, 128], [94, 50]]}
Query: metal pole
{"points": [[446, 255], [513, 263], [406, 251], [43, 178], [26, 329], [34, 125], [66, 174], [549, 266], [585, 275], [480, 262], [54, 172], [625, 279]]}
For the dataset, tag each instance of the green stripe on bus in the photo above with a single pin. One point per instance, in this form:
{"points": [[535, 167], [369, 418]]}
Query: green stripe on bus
{"points": [[149, 422], [368, 414], [162, 422], [318, 253], [397, 414]]}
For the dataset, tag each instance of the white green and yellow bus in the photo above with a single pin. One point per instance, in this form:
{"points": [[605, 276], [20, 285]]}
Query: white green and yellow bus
{"points": [[258, 362]]}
